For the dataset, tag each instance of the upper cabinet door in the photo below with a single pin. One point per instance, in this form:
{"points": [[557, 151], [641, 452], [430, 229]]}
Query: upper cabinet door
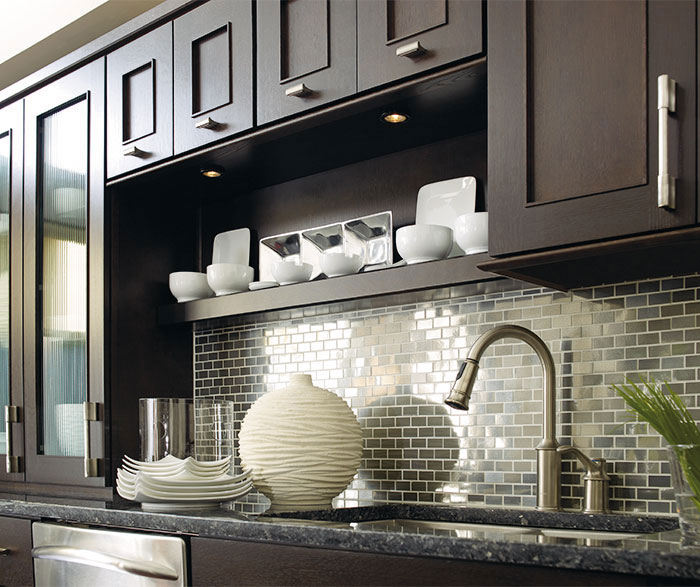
{"points": [[140, 102], [11, 376], [64, 278], [306, 55], [399, 38], [213, 73], [576, 120]]}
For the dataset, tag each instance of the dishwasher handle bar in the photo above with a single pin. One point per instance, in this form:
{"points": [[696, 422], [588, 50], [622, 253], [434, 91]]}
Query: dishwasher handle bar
{"points": [[92, 558]]}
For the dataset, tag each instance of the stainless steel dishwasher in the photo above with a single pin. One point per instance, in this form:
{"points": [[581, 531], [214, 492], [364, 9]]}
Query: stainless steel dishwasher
{"points": [[69, 556]]}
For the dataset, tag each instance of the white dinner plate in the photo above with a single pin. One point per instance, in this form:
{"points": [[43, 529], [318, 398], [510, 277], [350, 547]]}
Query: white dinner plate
{"points": [[184, 478], [143, 495]]}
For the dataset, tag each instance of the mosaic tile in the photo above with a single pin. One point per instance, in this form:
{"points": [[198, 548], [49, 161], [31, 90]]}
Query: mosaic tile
{"points": [[393, 359]]}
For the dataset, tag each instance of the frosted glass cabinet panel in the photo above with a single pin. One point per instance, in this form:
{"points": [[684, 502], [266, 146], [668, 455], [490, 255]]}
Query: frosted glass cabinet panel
{"points": [[11, 389], [64, 278]]}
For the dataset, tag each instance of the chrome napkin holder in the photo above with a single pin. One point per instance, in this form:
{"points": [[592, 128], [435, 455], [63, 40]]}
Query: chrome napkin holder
{"points": [[371, 237]]}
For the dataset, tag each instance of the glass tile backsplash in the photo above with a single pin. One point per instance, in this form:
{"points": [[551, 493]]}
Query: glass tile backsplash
{"points": [[394, 358]]}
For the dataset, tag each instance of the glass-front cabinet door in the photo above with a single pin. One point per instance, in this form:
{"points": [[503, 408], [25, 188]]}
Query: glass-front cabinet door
{"points": [[64, 279], [11, 401]]}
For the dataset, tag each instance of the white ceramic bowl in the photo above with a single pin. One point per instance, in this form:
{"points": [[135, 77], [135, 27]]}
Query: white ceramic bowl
{"points": [[189, 285], [423, 242], [472, 232], [228, 278], [336, 264], [286, 272]]}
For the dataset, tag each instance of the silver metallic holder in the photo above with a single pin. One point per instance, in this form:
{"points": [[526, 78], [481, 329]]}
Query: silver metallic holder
{"points": [[371, 237]]}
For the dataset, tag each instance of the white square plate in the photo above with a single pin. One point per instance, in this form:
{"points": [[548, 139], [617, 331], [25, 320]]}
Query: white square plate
{"points": [[441, 202], [232, 246]]}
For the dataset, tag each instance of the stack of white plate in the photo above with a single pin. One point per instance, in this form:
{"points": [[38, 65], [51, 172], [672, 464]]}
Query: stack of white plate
{"points": [[174, 485]]}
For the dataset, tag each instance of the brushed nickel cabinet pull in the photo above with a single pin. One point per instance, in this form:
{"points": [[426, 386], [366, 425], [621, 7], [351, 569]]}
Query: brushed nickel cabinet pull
{"points": [[4, 552], [134, 152], [666, 105], [411, 50], [12, 416], [208, 123], [298, 91], [91, 414]]}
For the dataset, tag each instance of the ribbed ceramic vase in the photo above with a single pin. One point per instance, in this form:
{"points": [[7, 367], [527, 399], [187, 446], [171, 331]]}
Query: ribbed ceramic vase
{"points": [[302, 445]]}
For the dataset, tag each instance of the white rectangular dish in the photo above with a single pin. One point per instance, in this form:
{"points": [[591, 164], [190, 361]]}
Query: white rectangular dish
{"points": [[441, 202]]}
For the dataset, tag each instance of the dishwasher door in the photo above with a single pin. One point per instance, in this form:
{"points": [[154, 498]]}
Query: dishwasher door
{"points": [[75, 557]]}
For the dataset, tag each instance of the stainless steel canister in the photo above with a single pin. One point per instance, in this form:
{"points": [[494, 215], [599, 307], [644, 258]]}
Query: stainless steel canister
{"points": [[166, 426]]}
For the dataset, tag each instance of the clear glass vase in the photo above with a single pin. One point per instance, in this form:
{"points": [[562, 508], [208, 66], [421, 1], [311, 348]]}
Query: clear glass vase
{"points": [[685, 474]]}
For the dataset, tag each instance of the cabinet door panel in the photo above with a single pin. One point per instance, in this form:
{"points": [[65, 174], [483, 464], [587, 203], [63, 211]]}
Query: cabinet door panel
{"points": [[213, 73], [309, 42], [64, 273], [11, 385], [573, 141], [447, 30], [140, 102], [613, 97], [215, 562], [16, 566]]}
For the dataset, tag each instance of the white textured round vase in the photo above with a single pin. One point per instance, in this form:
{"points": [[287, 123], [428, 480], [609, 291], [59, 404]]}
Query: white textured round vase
{"points": [[302, 445]]}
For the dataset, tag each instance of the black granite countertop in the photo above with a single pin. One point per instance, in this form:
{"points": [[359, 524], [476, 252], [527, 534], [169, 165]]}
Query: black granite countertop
{"points": [[658, 552]]}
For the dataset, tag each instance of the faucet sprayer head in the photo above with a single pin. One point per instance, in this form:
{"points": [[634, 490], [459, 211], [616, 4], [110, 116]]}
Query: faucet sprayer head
{"points": [[462, 388]]}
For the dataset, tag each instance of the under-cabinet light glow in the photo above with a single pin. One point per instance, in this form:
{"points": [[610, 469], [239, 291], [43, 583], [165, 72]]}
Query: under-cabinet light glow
{"points": [[394, 117], [212, 171]]}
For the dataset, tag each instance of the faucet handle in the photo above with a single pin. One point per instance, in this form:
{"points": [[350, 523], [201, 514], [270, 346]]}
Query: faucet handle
{"points": [[596, 482]]}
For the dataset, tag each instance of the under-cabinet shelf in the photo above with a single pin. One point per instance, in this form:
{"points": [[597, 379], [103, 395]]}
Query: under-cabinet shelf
{"points": [[375, 283]]}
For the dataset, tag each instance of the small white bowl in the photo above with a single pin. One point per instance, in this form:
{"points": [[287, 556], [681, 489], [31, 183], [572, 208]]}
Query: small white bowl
{"points": [[423, 242], [472, 232], [228, 278], [287, 272], [337, 264], [187, 286]]}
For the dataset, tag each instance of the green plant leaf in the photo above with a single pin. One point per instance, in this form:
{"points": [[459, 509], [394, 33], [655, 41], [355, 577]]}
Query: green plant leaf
{"points": [[666, 413]]}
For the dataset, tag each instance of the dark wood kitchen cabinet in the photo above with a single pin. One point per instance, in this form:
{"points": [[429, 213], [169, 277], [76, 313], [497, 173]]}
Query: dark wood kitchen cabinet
{"points": [[16, 552], [306, 55], [223, 562], [64, 279], [140, 102], [400, 38], [11, 387], [573, 136], [213, 69]]}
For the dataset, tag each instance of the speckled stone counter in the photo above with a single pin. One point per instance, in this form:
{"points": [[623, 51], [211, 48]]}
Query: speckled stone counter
{"points": [[658, 553]]}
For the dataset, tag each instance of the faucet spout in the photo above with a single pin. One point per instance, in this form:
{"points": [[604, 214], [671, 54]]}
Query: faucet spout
{"points": [[548, 459]]}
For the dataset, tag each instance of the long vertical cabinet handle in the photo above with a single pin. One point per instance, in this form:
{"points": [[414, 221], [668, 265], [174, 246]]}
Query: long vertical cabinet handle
{"points": [[12, 416], [666, 104], [91, 414]]}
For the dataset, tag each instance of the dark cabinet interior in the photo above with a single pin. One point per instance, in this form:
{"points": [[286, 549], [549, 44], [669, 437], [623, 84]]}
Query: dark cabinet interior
{"points": [[213, 72], [140, 102], [299, 176], [306, 54], [400, 38], [573, 121], [16, 552]]}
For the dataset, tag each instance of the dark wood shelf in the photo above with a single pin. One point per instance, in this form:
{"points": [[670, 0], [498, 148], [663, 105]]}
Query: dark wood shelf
{"points": [[375, 283]]}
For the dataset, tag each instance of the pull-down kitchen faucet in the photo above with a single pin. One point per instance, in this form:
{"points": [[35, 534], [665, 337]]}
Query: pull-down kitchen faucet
{"points": [[549, 451]]}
